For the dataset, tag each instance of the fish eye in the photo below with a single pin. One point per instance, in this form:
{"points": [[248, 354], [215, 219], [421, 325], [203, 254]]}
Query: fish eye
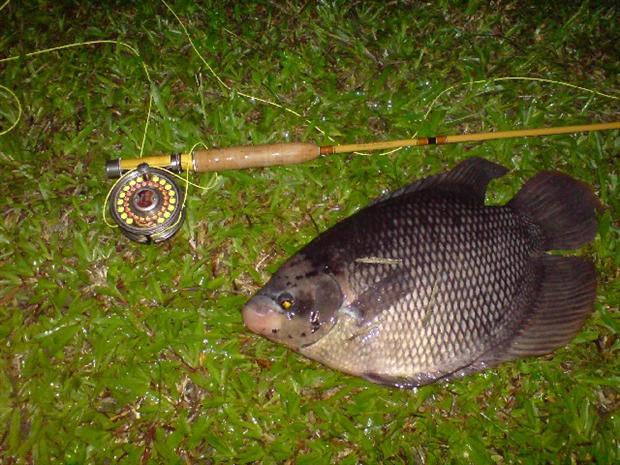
{"points": [[285, 301]]}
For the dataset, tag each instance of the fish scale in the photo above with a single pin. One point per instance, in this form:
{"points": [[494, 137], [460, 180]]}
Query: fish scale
{"points": [[428, 283], [495, 260]]}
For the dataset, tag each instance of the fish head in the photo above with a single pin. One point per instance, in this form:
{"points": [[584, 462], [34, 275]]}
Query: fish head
{"points": [[297, 306]]}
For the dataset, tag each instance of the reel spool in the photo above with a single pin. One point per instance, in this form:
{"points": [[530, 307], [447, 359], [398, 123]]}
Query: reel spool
{"points": [[147, 204]]}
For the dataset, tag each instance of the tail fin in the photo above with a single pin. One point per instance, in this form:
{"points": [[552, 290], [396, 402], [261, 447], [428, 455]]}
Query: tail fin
{"points": [[562, 206]]}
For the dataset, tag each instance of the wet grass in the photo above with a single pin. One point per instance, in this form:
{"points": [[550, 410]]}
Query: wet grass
{"points": [[113, 352]]}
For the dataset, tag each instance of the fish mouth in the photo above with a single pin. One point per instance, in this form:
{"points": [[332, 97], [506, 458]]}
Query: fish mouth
{"points": [[260, 317]]}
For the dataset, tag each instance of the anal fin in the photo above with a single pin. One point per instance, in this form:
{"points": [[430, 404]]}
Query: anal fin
{"points": [[564, 301]]}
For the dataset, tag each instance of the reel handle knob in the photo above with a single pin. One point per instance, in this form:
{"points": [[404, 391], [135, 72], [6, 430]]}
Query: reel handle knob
{"points": [[254, 156]]}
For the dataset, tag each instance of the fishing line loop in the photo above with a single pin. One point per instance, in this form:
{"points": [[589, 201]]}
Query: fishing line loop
{"points": [[133, 50], [488, 81], [232, 91], [515, 78], [19, 110]]}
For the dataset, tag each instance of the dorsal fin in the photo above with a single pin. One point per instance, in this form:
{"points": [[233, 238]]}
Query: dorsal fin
{"points": [[470, 178]]}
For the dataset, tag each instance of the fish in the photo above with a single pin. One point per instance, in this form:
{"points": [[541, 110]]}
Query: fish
{"points": [[428, 284]]}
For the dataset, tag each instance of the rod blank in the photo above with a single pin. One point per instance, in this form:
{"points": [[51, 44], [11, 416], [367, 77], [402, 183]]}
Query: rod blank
{"points": [[474, 137]]}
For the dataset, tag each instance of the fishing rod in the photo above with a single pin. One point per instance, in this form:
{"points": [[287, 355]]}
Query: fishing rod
{"points": [[147, 202]]}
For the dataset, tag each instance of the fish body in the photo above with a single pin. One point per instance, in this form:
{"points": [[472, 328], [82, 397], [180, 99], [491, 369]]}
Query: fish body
{"points": [[428, 283]]}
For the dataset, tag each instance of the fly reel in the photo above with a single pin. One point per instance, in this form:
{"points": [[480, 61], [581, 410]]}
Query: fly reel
{"points": [[147, 204]]}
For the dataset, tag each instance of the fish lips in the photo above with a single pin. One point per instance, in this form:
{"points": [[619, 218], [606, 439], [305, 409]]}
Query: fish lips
{"points": [[260, 317]]}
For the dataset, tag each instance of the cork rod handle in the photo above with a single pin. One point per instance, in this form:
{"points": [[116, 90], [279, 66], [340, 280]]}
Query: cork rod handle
{"points": [[254, 156]]}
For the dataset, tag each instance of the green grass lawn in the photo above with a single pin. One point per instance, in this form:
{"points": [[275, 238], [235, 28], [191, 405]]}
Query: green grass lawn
{"points": [[114, 352]]}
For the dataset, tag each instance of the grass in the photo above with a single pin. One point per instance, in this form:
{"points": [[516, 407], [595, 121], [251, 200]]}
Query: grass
{"points": [[114, 352]]}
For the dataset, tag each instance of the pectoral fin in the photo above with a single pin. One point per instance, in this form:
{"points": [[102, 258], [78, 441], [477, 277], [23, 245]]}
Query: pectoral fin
{"points": [[381, 295]]}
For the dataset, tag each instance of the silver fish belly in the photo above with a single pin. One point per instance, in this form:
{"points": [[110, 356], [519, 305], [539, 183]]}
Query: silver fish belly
{"points": [[428, 283]]}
